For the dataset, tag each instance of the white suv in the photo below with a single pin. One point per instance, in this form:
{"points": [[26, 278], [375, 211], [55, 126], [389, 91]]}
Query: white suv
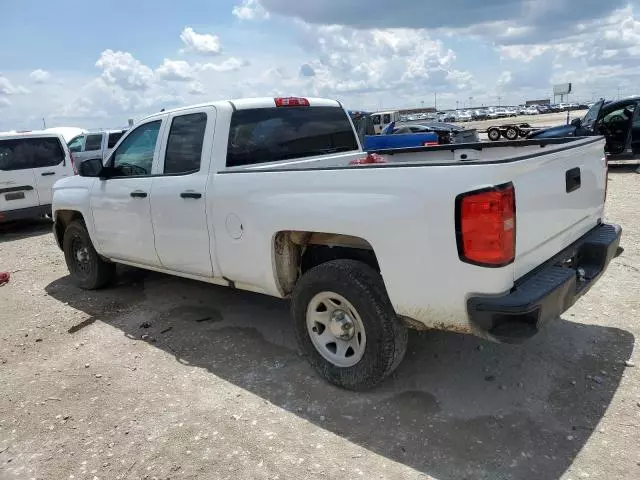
{"points": [[30, 163]]}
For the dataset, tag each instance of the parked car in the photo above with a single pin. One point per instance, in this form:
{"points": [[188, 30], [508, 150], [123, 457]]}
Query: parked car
{"points": [[30, 163], [94, 145], [480, 114], [543, 108], [449, 117], [492, 113], [463, 116], [275, 196], [511, 112], [618, 121], [404, 137], [531, 110]]}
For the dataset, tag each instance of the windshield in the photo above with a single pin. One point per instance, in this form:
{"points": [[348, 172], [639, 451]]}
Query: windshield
{"points": [[592, 114]]}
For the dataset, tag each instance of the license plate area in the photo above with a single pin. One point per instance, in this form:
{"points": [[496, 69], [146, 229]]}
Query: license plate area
{"points": [[14, 196]]}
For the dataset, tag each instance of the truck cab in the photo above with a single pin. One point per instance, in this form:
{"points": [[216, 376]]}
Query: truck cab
{"points": [[380, 120]]}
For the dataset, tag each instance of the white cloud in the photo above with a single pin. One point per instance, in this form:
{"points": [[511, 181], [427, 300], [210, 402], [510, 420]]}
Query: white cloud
{"points": [[175, 70], [4, 102], [229, 65], [122, 69], [196, 88], [201, 43], [40, 76], [8, 88], [250, 10]]}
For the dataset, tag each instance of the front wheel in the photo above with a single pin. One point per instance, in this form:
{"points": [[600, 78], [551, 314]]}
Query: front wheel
{"points": [[345, 324], [87, 268]]}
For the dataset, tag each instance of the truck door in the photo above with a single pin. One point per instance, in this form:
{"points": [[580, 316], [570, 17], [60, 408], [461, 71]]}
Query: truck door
{"points": [[121, 205], [178, 193], [49, 168]]}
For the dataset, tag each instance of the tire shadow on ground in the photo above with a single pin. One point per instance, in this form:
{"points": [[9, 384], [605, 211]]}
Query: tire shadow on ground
{"points": [[458, 407]]}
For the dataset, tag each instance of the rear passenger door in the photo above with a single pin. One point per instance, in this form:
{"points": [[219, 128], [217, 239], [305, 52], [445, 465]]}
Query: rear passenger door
{"points": [[178, 194], [51, 167]]}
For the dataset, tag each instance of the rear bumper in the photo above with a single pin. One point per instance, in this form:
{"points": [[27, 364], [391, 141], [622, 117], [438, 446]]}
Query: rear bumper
{"points": [[548, 291], [25, 213]]}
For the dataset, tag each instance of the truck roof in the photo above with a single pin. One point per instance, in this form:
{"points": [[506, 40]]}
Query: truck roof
{"points": [[249, 103]]}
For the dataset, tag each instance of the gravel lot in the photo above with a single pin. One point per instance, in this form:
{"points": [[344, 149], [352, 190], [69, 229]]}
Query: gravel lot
{"points": [[166, 378]]}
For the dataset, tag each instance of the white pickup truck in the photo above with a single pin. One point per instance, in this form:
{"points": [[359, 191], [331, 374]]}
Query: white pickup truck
{"points": [[276, 196]]}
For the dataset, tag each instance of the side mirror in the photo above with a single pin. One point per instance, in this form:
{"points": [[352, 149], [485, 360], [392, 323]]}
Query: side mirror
{"points": [[576, 122], [90, 168]]}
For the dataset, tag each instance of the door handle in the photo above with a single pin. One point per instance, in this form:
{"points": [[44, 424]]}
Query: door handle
{"points": [[573, 179], [139, 194], [46, 174], [191, 195]]}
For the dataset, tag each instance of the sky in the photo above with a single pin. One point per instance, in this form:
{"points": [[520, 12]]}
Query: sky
{"points": [[97, 64]]}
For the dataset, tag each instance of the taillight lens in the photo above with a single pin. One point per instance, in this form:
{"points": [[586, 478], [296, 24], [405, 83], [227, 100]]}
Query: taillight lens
{"points": [[291, 102], [486, 226]]}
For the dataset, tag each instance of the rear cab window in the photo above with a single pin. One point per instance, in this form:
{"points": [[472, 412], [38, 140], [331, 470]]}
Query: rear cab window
{"points": [[262, 135], [23, 153]]}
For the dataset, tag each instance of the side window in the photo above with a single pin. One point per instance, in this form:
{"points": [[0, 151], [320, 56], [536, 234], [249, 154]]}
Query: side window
{"points": [[20, 154], [113, 139], [134, 156], [386, 119], [93, 142], [184, 145], [376, 119], [75, 145]]}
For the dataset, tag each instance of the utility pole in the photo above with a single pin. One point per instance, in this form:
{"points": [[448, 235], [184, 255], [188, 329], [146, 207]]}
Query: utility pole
{"points": [[457, 102], [435, 101], [422, 103], [44, 124], [499, 98]]}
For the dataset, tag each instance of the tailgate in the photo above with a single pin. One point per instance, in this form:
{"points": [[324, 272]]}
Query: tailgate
{"points": [[558, 199], [17, 190]]}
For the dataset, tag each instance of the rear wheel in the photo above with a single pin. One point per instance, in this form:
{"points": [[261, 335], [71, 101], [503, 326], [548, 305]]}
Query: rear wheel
{"points": [[511, 133], [494, 134], [345, 324], [87, 268]]}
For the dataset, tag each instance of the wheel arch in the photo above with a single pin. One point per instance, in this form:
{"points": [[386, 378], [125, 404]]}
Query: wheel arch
{"points": [[294, 252], [62, 218]]}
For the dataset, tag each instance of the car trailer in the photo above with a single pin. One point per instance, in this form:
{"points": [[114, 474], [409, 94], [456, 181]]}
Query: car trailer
{"points": [[511, 131]]}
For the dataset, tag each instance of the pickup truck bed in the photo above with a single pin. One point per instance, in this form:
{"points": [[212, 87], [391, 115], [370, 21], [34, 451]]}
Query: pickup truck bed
{"points": [[489, 239]]}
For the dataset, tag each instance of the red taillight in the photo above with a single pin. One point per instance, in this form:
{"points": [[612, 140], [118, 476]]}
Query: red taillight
{"points": [[430, 144], [73, 164], [486, 226], [369, 159], [291, 102]]}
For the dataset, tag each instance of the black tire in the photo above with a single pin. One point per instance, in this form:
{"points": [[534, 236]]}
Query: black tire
{"points": [[386, 336], [92, 272], [494, 134], [511, 133]]}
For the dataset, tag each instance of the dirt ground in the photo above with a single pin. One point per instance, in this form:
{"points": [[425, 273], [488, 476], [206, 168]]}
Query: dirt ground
{"points": [[164, 378]]}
